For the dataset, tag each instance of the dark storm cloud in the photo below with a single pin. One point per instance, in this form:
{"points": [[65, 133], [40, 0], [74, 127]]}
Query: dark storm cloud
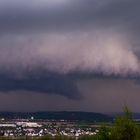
{"points": [[64, 37]]}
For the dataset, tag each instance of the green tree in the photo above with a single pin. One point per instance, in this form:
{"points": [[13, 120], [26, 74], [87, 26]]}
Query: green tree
{"points": [[125, 128], [104, 133]]}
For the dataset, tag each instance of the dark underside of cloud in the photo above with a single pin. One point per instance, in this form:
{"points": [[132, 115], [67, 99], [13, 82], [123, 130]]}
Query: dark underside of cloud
{"points": [[50, 84]]}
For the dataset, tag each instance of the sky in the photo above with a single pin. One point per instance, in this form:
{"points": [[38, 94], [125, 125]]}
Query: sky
{"points": [[69, 55]]}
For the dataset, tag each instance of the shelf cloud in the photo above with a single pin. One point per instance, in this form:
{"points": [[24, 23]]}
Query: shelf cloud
{"points": [[47, 46], [96, 52]]}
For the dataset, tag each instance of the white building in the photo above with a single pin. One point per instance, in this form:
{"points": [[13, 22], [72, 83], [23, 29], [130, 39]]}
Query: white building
{"points": [[28, 124], [7, 125]]}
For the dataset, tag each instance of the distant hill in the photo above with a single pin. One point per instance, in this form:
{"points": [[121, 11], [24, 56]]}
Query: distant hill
{"points": [[72, 116], [136, 116]]}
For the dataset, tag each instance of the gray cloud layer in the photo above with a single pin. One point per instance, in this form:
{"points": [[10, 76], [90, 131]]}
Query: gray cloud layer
{"points": [[39, 15]]}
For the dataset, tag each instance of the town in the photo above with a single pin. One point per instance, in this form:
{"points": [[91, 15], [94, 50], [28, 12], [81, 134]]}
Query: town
{"points": [[39, 128]]}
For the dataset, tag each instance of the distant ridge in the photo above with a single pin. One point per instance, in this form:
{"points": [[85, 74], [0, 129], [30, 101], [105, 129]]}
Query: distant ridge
{"points": [[119, 114], [63, 115]]}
